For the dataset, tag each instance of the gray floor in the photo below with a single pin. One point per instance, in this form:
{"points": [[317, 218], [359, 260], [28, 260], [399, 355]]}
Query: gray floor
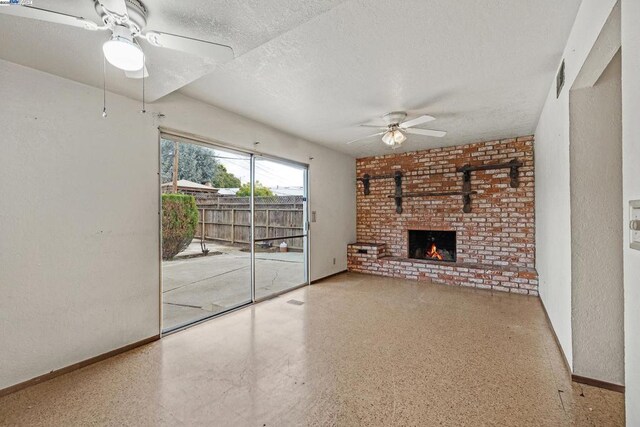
{"points": [[195, 288]]}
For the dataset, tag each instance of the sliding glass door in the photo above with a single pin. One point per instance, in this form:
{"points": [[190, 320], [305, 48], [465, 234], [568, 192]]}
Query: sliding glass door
{"points": [[233, 226], [206, 231], [280, 223]]}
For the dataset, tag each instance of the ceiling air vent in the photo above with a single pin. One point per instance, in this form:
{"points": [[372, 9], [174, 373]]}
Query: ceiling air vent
{"points": [[560, 80]]}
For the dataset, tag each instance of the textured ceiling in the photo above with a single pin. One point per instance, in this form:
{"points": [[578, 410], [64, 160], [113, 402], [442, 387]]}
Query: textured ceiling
{"points": [[319, 68], [482, 68]]}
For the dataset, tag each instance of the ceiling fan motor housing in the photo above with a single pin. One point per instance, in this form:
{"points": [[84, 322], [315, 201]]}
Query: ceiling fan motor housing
{"points": [[136, 20], [122, 32], [395, 118]]}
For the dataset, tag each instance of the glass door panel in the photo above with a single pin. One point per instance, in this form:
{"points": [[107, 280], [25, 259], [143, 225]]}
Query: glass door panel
{"points": [[277, 270], [280, 227], [206, 266]]}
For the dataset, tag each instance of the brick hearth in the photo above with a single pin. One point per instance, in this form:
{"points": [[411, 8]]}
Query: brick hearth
{"points": [[495, 241]]}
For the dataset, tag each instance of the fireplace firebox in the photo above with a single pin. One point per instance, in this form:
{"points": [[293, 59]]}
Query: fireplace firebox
{"points": [[434, 245]]}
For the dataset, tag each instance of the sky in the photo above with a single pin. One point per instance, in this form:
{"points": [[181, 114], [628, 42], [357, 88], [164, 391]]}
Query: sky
{"points": [[269, 173]]}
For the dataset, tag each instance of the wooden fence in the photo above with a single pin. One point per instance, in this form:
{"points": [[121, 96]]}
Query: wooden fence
{"points": [[228, 219]]}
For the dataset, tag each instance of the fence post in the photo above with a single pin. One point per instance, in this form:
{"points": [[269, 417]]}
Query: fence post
{"points": [[233, 226], [267, 235], [203, 226]]}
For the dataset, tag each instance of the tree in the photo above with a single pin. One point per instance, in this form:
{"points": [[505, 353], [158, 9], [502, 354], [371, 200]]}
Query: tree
{"points": [[195, 163], [224, 179], [259, 190]]}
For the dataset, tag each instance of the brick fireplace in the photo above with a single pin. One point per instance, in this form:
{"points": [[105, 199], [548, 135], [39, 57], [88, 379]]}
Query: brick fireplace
{"points": [[491, 246]]}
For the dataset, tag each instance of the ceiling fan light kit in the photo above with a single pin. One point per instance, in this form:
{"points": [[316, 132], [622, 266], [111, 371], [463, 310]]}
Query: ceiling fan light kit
{"points": [[399, 137], [387, 138], [394, 138], [122, 52]]}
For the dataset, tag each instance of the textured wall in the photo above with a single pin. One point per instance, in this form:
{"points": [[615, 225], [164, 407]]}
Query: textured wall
{"points": [[553, 206], [79, 268], [631, 191], [597, 229], [498, 232]]}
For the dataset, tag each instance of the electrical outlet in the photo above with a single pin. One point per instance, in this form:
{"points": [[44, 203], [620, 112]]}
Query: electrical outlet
{"points": [[334, 261], [634, 224], [313, 216]]}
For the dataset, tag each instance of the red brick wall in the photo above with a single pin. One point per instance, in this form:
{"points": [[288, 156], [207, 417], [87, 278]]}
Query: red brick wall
{"points": [[499, 230]]}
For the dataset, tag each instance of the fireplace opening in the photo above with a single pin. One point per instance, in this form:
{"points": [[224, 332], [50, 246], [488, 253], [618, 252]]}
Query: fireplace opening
{"points": [[435, 245]]}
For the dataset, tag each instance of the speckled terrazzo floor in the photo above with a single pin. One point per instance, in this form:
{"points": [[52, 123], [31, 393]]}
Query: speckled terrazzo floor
{"points": [[361, 350]]}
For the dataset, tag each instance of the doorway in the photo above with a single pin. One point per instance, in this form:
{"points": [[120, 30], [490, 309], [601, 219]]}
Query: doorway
{"points": [[233, 227]]}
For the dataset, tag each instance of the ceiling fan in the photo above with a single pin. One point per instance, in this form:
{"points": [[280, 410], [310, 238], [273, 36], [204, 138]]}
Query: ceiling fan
{"points": [[393, 134], [127, 20]]}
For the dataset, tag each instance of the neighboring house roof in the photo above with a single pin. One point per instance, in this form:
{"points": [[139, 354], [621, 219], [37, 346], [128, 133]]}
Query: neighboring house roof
{"points": [[184, 184], [227, 191], [287, 191]]}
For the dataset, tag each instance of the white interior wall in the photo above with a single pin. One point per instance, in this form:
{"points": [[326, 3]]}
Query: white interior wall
{"points": [[79, 256], [631, 191], [553, 204], [596, 226]]}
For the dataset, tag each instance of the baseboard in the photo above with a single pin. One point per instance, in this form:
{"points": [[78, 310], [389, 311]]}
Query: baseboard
{"points": [[564, 356], [55, 373], [328, 277], [577, 378], [597, 383]]}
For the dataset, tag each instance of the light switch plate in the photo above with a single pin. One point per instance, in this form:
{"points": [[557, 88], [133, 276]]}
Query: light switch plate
{"points": [[634, 215]]}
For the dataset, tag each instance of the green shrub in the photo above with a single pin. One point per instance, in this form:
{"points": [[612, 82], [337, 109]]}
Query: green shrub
{"points": [[179, 222]]}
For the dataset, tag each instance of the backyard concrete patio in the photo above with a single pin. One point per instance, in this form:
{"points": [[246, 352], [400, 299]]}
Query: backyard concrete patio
{"points": [[201, 286]]}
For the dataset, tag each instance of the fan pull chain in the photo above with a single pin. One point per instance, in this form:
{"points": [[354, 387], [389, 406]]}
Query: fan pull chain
{"points": [[144, 67], [104, 87]]}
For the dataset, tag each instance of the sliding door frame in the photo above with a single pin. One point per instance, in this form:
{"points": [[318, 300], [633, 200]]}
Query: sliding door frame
{"points": [[185, 137]]}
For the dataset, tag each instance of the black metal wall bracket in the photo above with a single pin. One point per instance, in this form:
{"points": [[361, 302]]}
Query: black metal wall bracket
{"points": [[397, 177], [466, 191], [398, 196], [366, 181], [466, 170], [367, 184]]}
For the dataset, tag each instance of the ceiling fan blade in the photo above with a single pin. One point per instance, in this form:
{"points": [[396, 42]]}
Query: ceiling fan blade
{"points": [[366, 137], [219, 52], [138, 74], [417, 121], [116, 7], [426, 132], [50, 16], [374, 126]]}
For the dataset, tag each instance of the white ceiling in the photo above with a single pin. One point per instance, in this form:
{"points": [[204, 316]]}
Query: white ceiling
{"points": [[317, 69]]}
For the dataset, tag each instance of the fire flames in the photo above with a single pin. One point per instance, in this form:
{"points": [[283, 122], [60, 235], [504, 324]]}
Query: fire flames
{"points": [[433, 252]]}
